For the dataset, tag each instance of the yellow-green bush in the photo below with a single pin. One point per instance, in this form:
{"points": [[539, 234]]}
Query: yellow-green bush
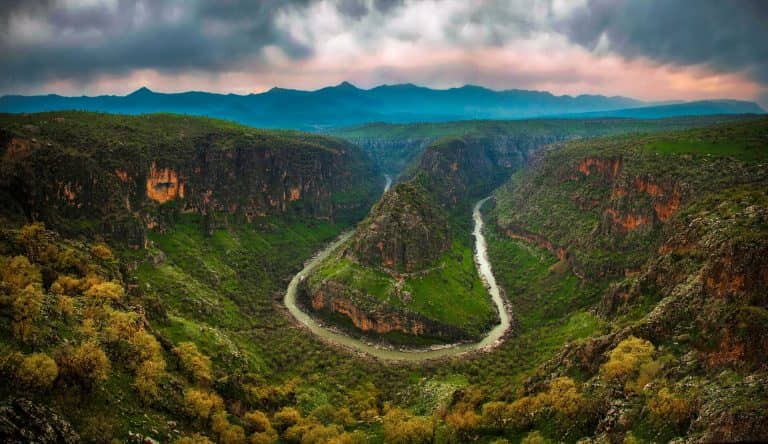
{"points": [[197, 364], [37, 371], [88, 363], [106, 291], [631, 363], [669, 407], [201, 403]]}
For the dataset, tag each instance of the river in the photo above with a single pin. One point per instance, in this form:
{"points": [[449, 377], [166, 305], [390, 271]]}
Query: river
{"points": [[493, 338]]}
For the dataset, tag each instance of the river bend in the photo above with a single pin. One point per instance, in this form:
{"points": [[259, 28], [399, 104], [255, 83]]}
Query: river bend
{"points": [[493, 338]]}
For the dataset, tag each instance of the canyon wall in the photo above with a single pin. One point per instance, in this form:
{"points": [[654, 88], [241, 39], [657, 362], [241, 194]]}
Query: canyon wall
{"points": [[218, 173]]}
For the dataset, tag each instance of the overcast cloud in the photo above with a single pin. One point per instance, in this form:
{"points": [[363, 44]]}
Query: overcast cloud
{"points": [[650, 49]]}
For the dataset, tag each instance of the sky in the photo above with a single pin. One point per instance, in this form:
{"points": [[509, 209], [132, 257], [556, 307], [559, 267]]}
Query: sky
{"points": [[650, 49]]}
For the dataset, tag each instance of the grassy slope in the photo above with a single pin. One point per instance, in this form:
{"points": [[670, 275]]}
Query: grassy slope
{"points": [[449, 292], [223, 283]]}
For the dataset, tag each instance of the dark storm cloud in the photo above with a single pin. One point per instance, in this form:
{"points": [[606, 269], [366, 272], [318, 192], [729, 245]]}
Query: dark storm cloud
{"points": [[724, 35], [357, 9], [11, 7], [81, 42], [353, 8], [76, 41]]}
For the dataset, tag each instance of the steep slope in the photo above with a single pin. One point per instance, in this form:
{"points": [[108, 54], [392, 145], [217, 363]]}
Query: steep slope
{"points": [[396, 147], [668, 236], [122, 175], [616, 195], [405, 232]]}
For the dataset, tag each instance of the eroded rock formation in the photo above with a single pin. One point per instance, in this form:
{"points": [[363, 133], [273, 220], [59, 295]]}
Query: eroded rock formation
{"points": [[371, 316], [405, 232], [227, 173]]}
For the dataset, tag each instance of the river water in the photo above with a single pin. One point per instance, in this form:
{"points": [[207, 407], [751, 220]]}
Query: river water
{"points": [[494, 337]]}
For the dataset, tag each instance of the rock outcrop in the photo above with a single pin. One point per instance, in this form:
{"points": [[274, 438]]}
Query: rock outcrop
{"points": [[405, 232], [370, 316], [22, 422]]}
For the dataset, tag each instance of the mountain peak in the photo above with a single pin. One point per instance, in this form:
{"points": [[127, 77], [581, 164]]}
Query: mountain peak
{"points": [[346, 85], [141, 91]]}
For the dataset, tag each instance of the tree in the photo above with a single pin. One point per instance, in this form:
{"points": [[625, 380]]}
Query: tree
{"points": [[463, 422], [65, 306], [194, 439], [106, 291], [27, 306], [219, 421], [66, 285], [402, 428], [37, 371], [495, 414], [234, 434], [668, 407], [286, 417], [534, 437], [563, 396], [35, 239], [121, 325], [257, 421], [202, 403], [325, 413], [144, 347], [197, 364], [626, 360], [102, 251], [263, 437], [88, 363], [315, 433], [522, 411], [18, 272], [356, 437], [364, 402], [148, 376]]}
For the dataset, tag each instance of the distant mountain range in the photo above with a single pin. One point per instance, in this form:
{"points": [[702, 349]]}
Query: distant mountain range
{"points": [[346, 105]]}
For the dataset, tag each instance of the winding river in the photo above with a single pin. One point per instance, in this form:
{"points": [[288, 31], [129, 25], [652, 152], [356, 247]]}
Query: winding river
{"points": [[493, 338]]}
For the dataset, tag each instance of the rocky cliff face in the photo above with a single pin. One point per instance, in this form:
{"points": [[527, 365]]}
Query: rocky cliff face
{"points": [[612, 197], [405, 232], [22, 421], [459, 170], [368, 315], [679, 243], [56, 172]]}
